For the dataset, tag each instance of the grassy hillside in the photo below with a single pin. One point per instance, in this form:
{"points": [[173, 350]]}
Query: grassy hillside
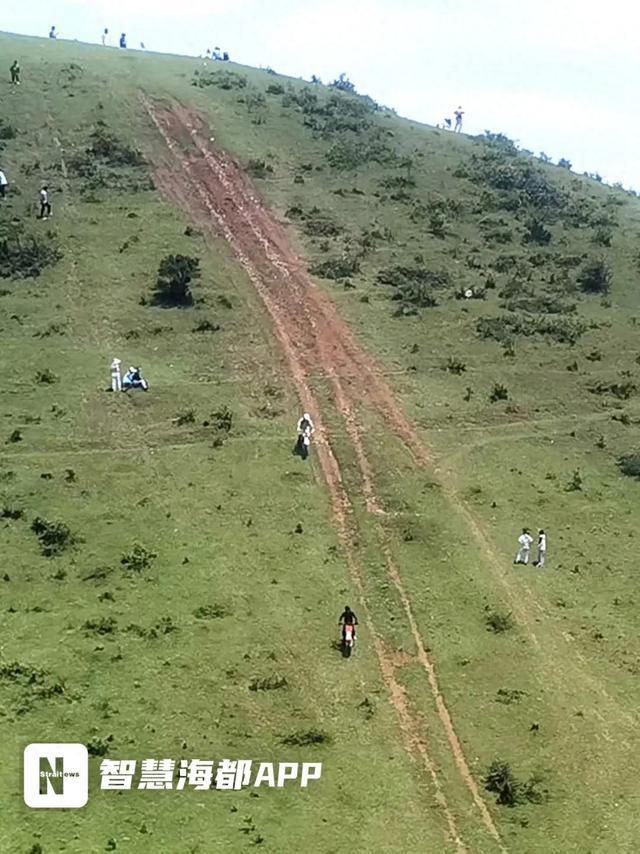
{"points": [[525, 400]]}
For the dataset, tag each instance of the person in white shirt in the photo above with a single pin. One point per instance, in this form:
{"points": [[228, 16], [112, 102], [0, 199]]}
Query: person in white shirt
{"points": [[104, 36], [45, 204], [542, 548], [459, 113], [3, 184], [525, 539], [116, 377]]}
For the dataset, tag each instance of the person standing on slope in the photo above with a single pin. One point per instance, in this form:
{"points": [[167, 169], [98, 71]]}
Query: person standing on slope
{"points": [[3, 184], [459, 113], [542, 548], [525, 539], [15, 73], [45, 204]]}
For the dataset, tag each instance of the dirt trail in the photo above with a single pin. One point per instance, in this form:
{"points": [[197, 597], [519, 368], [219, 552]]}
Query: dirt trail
{"points": [[212, 189]]}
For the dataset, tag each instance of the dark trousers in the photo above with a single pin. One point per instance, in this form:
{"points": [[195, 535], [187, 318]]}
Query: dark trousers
{"points": [[3, 188], [45, 209]]}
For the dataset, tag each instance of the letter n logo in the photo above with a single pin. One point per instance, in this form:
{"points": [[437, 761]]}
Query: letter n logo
{"points": [[52, 779]]}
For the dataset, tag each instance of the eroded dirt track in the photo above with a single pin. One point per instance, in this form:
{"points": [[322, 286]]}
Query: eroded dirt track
{"points": [[210, 186]]}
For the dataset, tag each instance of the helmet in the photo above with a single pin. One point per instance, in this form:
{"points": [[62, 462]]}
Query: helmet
{"points": [[306, 416]]}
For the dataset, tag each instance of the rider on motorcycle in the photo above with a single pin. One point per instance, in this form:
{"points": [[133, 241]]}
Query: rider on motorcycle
{"points": [[305, 425], [348, 618]]}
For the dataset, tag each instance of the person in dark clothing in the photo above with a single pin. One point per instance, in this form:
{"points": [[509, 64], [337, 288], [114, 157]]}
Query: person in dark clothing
{"points": [[347, 617], [15, 73], [52, 33], [123, 40]]}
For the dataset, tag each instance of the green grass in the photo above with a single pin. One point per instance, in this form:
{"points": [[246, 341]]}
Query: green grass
{"points": [[221, 519]]}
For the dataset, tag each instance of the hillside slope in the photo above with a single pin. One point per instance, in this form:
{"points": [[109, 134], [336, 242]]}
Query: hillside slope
{"points": [[446, 423]]}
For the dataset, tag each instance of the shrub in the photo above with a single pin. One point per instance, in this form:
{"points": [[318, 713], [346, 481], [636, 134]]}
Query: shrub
{"points": [[602, 236], [563, 330], [455, 366], [138, 559], [575, 484], [501, 781], [437, 224], [107, 147], [498, 622], [11, 513], [46, 377], [258, 168], [499, 392], [185, 416], [629, 465], [222, 420], [536, 233], [7, 131], [26, 256], [175, 274], [14, 437], [336, 268], [222, 79], [54, 537], [275, 89], [270, 683], [210, 612], [101, 626], [510, 792], [304, 739], [595, 276], [622, 390]]}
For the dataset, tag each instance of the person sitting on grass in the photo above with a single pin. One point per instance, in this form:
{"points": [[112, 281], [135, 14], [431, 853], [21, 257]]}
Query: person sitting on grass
{"points": [[133, 379]]}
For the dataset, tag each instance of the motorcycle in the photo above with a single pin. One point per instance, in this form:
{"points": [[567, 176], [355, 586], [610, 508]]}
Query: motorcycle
{"points": [[348, 639]]}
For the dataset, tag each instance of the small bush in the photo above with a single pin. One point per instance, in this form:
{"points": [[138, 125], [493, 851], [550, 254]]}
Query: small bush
{"points": [[259, 168], [306, 738], [499, 392], [25, 257], [14, 437], [270, 683], [595, 277], [222, 420], [575, 484], [629, 465], [455, 366], [210, 612], [501, 781], [138, 559], [185, 416], [46, 377], [101, 626], [54, 537], [11, 513], [175, 274], [498, 622], [206, 326], [226, 80], [275, 89], [536, 233], [336, 268]]}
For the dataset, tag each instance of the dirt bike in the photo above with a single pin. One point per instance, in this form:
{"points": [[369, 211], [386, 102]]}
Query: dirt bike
{"points": [[348, 639]]}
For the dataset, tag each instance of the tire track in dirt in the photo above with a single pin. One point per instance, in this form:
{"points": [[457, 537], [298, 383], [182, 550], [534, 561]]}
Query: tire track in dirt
{"points": [[212, 186]]}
